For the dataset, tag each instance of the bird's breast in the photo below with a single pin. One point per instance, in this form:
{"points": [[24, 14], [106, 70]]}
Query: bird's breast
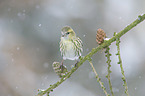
{"points": [[68, 45]]}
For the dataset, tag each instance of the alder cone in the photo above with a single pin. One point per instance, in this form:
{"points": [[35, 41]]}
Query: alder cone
{"points": [[100, 36]]}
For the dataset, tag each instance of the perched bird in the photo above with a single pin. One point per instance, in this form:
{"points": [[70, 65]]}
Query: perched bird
{"points": [[70, 44]]}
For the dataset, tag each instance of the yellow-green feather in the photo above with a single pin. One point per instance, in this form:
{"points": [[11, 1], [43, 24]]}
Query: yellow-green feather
{"points": [[66, 45]]}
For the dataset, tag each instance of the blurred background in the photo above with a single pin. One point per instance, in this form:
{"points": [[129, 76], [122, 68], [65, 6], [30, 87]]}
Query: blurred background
{"points": [[30, 32]]}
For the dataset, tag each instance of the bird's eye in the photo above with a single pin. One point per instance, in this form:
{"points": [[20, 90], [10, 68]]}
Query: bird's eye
{"points": [[67, 33]]}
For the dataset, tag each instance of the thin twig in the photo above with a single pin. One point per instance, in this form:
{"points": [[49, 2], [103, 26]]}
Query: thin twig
{"points": [[98, 79], [121, 67], [109, 71]]}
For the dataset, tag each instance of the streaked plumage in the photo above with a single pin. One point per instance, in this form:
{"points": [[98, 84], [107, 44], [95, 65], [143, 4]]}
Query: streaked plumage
{"points": [[70, 44]]}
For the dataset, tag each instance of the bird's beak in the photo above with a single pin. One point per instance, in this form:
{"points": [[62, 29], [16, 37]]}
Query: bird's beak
{"points": [[62, 34]]}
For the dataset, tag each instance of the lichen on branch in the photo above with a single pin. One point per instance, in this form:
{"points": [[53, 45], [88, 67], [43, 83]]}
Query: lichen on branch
{"points": [[90, 54]]}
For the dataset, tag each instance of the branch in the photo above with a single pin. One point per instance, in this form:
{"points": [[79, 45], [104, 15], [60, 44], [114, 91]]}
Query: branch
{"points": [[121, 67], [109, 70], [94, 50], [98, 79]]}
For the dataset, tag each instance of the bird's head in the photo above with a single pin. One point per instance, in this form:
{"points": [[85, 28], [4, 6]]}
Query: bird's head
{"points": [[67, 32]]}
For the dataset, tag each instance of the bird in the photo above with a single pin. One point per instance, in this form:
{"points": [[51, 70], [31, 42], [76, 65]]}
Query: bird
{"points": [[70, 44]]}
